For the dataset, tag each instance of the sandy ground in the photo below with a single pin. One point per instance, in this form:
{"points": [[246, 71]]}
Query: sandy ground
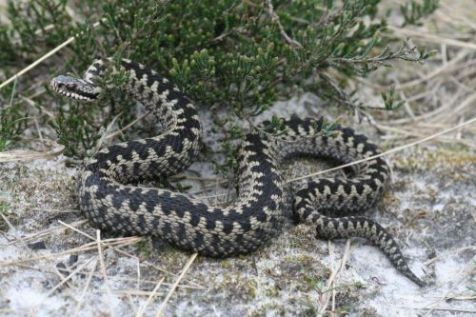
{"points": [[52, 263]]}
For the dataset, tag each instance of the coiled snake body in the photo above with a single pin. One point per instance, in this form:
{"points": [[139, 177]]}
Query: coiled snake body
{"points": [[256, 215]]}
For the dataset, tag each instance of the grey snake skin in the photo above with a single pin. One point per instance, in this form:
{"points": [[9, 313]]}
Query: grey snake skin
{"points": [[110, 202]]}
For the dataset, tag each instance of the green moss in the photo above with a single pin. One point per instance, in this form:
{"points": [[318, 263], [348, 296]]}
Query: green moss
{"points": [[250, 288], [226, 264], [274, 308], [144, 248], [428, 159], [312, 282], [238, 286], [271, 292], [3, 211]]}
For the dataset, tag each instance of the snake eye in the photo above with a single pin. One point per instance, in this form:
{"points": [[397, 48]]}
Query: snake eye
{"points": [[71, 86]]}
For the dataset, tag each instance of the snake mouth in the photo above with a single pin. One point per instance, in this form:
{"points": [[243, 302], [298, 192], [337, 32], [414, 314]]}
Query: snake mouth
{"points": [[74, 88]]}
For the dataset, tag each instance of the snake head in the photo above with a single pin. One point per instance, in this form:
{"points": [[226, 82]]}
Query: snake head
{"points": [[75, 88]]}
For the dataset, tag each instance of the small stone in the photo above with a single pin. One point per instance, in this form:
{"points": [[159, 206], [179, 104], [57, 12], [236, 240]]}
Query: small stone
{"points": [[40, 245]]}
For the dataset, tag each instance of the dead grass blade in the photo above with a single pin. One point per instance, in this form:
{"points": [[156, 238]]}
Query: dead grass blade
{"points": [[150, 298], [28, 155], [174, 286]]}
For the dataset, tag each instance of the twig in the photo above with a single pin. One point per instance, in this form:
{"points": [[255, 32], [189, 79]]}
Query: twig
{"points": [[115, 249], [454, 310], [27, 155], [137, 292], [447, 68], [174, 286], [470, 100], [406, 103], [196, 286], [428, 115], [150, 298], [433, 38], [88, 281], [101, 256], [103, 268], [79, 268], [331, 280], [113, 134], [416, 133], [37, 62], [9, 224], [447, 13], [83, 248], [275, 19]]}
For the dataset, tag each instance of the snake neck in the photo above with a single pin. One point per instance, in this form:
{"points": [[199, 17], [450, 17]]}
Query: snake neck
{"points": [[179, 140]]}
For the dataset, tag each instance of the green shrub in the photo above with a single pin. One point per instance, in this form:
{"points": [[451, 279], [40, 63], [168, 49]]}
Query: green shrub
{"points": [[237, 56]]}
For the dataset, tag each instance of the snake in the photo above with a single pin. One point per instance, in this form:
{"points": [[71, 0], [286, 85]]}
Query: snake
{"points": [[110, 198]]}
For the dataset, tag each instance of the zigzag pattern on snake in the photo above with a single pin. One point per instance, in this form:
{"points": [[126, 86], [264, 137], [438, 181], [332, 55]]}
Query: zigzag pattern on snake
{"points": [[110, 202]]}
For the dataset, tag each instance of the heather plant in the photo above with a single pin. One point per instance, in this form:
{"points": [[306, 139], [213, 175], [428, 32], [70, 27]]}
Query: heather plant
{"points": [[232, 57]]}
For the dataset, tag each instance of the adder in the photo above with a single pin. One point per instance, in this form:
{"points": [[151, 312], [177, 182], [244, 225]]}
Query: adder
{"points": [[110, 202]]}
